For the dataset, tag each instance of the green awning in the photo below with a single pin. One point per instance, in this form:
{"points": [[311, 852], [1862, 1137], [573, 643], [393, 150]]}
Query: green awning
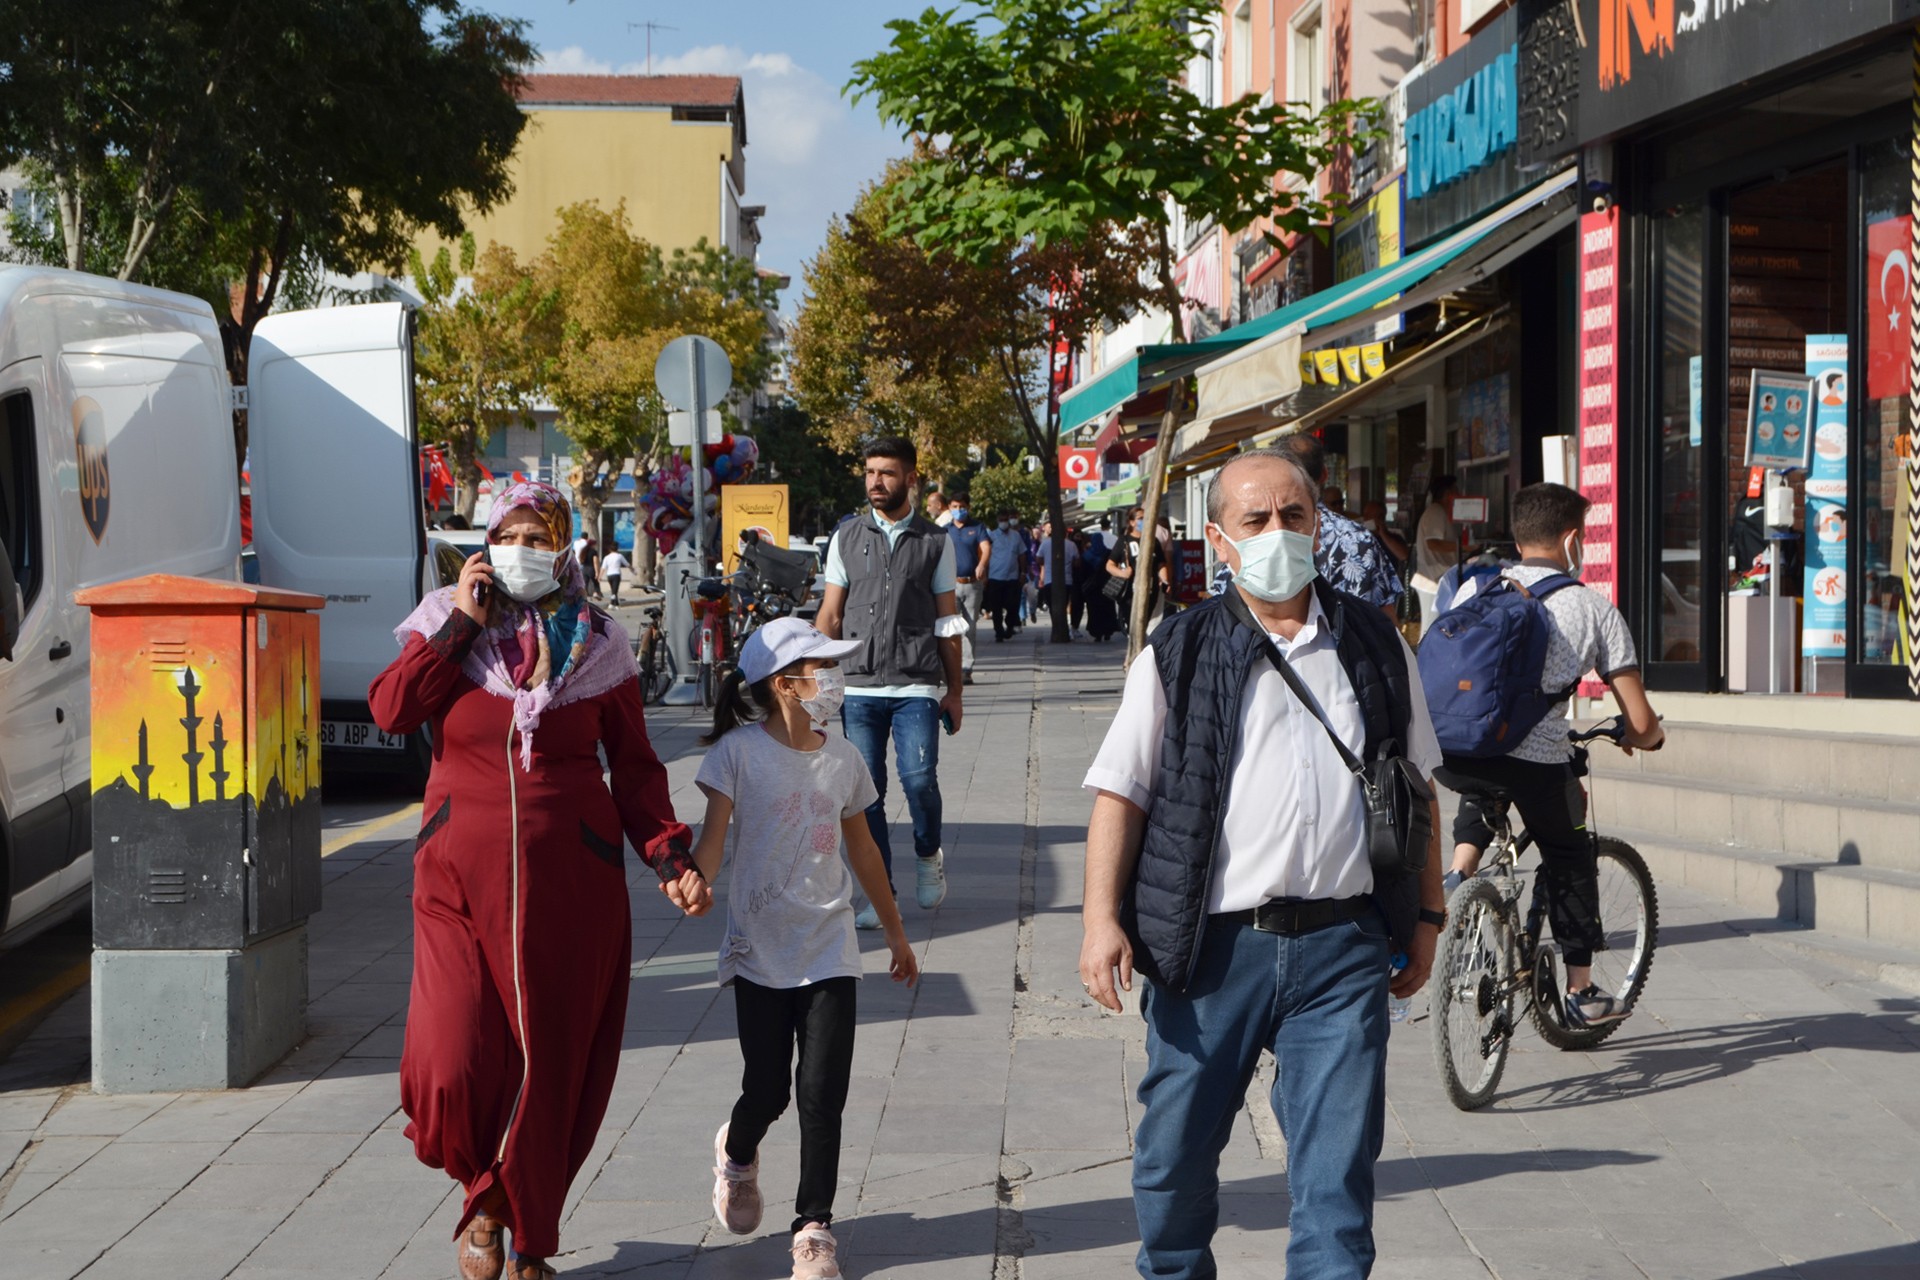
{"points": [[1123, 494], [1157, 365]]}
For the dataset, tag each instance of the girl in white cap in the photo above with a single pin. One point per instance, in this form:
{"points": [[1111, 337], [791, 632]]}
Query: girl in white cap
{"points": [[791, 793]]}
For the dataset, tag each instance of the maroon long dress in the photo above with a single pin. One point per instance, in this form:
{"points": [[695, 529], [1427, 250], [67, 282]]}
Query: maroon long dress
{"points": [[521, 926]]}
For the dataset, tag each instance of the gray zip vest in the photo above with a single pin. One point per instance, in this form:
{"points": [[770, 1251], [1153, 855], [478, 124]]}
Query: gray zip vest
{"points": [[890, 602]]}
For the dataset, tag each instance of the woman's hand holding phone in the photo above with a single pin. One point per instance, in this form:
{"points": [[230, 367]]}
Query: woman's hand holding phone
{"points": [[476, 580]]}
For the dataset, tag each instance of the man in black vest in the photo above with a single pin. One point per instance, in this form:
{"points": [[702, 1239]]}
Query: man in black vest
{"points": [[1227, 863], [890, 583]]}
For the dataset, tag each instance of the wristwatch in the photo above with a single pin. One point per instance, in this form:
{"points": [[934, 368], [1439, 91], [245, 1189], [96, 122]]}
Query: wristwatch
{"points": [[1438, 919]]}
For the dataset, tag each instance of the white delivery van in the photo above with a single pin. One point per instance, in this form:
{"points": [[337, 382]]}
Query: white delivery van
{"points": [[116, 460], [333, 456]]}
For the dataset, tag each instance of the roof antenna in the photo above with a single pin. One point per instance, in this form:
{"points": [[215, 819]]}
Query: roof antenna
{"points": [[651, 28]]}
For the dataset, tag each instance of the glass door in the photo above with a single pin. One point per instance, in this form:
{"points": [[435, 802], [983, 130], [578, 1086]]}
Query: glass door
{"points": [[1683, 607]]}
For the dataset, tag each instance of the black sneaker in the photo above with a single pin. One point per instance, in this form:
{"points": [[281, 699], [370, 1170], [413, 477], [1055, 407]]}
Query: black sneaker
{"points": [[1592, 1007]]}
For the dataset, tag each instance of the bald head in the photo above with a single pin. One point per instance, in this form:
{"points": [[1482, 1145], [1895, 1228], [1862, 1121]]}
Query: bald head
{"points": [[1233, 476]]}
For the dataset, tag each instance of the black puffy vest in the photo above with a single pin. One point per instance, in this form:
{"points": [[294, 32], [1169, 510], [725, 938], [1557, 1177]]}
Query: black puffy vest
{"points": [[1207, 660]]}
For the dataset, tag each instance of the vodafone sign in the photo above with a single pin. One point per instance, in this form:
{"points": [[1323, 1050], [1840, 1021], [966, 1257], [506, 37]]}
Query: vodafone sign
{"points": [[1078, 466]]}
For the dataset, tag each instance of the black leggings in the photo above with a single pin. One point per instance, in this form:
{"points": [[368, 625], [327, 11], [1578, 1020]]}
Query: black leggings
{"points": [[1553, 805], [819, 1018]]}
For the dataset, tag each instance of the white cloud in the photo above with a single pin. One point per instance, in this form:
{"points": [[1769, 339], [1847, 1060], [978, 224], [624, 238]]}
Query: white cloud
{"points": [[808, 151]]}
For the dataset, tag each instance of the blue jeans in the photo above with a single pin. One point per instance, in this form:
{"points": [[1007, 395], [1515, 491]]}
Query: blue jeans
{"points": [[915, 726], [1319, 1001]]}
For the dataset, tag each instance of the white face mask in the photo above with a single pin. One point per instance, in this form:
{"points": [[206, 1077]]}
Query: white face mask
{"points": [[524, 573], [829, 691], [1275, 566], [1575, 563]]}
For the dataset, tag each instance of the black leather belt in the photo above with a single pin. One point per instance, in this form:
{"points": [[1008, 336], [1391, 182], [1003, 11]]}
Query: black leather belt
{"points": [[1294, 916]]}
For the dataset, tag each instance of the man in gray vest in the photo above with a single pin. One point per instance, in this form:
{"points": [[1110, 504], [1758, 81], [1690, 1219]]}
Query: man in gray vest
{"points": [[890, 584]]}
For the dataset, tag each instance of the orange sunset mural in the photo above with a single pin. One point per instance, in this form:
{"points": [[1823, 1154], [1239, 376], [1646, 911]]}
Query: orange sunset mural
{"points": [[206, 762]]}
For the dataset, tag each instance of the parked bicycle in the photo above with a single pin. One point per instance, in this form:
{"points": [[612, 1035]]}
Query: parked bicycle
{"points": [[1493, 967], [711, 642], [658, 670]]}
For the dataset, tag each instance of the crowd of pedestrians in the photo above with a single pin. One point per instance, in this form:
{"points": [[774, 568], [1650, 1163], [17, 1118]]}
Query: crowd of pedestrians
{"points": [[1232, 863]]}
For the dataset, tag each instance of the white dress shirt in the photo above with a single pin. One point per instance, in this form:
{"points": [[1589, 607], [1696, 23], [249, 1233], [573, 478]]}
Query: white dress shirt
{"points": [[1295, 824]]}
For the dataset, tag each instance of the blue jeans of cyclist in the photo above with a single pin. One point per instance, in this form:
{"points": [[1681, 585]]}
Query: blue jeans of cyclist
{"points": [[914, 724], [1319, 1002], [1553, 806]]}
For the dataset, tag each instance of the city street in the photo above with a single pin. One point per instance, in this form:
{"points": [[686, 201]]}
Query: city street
{"points": [[1757, 1117]]}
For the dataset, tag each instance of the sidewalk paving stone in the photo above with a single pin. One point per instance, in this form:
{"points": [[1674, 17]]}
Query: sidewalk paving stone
{"points": [[1757, 1118]]}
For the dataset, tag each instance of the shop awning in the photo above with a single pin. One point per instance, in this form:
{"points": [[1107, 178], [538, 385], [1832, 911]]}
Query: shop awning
{"points": [[1124, 494], [1243, 390]]}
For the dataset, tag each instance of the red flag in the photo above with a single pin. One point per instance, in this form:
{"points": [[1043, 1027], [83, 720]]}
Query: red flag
{"points": [[483, 468]]}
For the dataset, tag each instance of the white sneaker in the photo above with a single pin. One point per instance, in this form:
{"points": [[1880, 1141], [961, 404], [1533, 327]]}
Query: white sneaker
{"points": [[930, 880], [813, 1254], [736, 1190], [866, 918]]}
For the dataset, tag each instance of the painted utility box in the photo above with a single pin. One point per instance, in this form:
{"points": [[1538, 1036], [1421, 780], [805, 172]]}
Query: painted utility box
{"points": [[206, 828]]}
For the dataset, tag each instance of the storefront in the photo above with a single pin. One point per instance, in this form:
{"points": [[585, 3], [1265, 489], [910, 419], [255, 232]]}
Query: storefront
{"points": [[1748, 180]]}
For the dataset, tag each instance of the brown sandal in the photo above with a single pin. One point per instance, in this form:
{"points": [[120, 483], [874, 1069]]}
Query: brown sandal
{"points": [[482, 1252]]}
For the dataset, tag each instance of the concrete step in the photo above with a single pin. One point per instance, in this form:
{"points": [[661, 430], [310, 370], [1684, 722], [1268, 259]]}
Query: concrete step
{"points": [[1787, 825], [1783, 762], [1862, 904]]}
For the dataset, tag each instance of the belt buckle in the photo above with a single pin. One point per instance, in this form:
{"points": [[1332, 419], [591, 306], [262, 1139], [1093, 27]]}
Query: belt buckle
{"points": [[1278, 917]]}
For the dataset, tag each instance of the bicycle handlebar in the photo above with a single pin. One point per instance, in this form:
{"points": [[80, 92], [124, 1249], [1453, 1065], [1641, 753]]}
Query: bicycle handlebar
{"points": [[1613, 729]]}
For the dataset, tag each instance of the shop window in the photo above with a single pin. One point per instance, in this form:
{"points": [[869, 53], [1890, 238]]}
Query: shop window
{"points": [[1682, 583], [19, 495], [1887, 302]]}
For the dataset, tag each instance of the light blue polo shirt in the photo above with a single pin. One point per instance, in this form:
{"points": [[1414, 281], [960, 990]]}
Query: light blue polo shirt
{"points": [[944, 579]]}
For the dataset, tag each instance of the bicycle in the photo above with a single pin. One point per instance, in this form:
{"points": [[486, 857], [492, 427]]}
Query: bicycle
{"points": [[658, 671], [1492, 967], [712, 608]]}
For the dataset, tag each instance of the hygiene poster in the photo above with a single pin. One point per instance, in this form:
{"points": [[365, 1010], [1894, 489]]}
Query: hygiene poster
{"points": [[1779, 421], [1823, 631], [761, 507]]}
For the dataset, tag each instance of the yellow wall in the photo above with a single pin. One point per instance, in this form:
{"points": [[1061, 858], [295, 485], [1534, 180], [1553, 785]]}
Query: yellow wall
{"points": [[668, 172]]}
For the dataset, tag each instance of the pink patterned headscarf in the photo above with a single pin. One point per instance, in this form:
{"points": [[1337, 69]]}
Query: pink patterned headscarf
{"points": [[588, 652]]}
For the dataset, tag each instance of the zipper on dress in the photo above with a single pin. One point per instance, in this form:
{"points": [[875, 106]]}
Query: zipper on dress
{"points": [[519, 996]]}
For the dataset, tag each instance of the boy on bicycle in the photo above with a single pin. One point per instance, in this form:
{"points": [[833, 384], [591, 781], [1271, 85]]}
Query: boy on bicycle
{"points": [[1585, 633]]}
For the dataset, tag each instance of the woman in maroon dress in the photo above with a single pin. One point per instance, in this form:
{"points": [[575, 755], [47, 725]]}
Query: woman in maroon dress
{"points": [[521, 925]]}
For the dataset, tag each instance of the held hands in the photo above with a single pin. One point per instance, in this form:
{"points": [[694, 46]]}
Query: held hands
{"points": [[476, 578], [690, 892], [1104, 950]]}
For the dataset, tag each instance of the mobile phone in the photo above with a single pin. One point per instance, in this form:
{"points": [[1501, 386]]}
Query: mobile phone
{"points": [[480, 587], [946, 721]]}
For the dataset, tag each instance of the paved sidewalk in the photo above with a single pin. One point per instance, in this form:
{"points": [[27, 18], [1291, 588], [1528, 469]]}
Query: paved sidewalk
{"points": [[1759, 1117]]}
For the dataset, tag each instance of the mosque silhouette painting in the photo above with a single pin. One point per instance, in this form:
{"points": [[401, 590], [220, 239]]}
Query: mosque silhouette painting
{"points": [[206, 774]]}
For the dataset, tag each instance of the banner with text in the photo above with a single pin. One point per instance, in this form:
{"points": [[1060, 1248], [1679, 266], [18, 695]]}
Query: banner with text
{"points": [[1823, 631], [1599, 417]]}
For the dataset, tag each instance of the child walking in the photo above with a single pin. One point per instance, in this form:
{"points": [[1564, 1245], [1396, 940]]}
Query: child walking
{"points": [[791, 793]]}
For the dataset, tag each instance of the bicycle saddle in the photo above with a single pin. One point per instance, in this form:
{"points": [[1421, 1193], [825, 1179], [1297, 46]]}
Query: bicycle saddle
{"points": [[1473, 788]]}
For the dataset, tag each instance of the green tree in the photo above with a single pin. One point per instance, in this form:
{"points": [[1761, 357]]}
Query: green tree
{"points": [[823, 482], [611, 303], [1061, 118], [1009, 486], [886, 343], [474, 371], [273, 136]]}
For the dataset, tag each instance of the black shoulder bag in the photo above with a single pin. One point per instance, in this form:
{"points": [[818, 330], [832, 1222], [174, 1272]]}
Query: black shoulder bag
{"points": [[1399, 803]]}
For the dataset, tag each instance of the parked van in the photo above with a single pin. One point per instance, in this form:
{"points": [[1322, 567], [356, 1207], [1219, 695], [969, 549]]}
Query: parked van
{"points": [[116, 460]]}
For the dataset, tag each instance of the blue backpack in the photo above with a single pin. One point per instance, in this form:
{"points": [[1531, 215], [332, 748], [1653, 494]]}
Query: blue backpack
{"points": [[1481, 662]]}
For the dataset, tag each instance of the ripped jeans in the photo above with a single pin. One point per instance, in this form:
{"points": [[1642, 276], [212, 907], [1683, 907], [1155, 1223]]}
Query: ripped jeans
{"points": [[915, 726]]}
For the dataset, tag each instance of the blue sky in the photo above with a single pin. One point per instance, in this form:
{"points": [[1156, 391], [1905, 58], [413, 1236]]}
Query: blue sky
{"points": [[808, 149]]}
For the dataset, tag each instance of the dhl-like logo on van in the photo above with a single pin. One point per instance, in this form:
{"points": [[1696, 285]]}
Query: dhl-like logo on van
{"points": [[90, 447]]}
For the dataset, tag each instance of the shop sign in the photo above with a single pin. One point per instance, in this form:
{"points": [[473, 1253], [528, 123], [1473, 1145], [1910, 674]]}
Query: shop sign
{"points": [[1078, 467], [1823, 629], [1599, 387], [1549, 77], [1645, 58], [1369, 239], [1462, 127]]}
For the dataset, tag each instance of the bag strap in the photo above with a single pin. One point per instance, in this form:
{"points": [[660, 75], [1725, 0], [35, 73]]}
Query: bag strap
{"points": [[1238, 608]]}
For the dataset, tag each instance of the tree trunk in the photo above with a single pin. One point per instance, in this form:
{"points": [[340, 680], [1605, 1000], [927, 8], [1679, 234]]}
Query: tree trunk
{"points": [[463, 448], [590, 491], [1057, 517], [646, 554]]}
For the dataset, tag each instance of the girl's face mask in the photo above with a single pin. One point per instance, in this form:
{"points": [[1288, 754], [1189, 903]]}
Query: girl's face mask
{"points": [[829, 691]]}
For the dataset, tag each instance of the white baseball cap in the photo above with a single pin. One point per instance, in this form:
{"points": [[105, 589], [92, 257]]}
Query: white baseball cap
{"points": [[783, 642]]}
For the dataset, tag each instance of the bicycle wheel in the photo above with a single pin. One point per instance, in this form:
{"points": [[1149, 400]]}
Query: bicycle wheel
{"points": [[1630, 920], [709, 684], [1472, 995]]}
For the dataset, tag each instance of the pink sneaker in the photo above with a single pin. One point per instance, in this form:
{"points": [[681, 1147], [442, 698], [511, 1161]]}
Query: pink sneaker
{"points": [[736, 1190], [813, 1254]]}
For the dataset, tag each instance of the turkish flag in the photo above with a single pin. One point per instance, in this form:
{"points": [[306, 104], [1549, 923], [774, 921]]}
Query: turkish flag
{"points": [[1077, 465], [1889, 305]]}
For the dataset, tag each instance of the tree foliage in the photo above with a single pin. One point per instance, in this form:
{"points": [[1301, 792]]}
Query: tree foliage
{"points": [[609, 304], [184, 140], [823, 482], [1008, 486], [887, 342], [475, 365]]}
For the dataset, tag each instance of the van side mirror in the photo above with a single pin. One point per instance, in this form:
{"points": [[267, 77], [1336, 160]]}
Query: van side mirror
{"points": [[9, 606]]}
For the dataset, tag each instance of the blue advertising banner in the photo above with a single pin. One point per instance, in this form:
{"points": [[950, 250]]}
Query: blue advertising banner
{"points": [[1823, 631]]}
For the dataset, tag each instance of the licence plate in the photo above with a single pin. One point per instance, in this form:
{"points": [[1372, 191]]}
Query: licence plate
{"points": [[360, 735]]}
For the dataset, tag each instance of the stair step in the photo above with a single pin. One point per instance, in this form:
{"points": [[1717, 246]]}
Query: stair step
{"points": [[1880, 769], [1797, 827], [1872, 904]]}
